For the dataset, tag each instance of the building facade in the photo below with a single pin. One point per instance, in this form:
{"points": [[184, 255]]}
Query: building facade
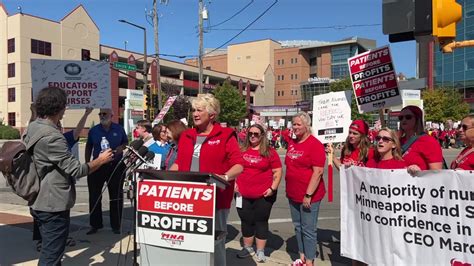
{"points": [[293, 65], [76, 37]]}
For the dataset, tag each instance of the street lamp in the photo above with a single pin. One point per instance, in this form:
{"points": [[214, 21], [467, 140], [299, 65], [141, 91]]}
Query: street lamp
{"points": [[145, 63]]}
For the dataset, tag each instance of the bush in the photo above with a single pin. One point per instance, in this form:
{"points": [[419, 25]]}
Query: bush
{"points": [[8, 132]]}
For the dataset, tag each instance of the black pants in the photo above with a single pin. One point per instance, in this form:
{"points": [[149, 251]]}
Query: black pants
{"points": [[54, 229], [254, 215], [95, 182]]}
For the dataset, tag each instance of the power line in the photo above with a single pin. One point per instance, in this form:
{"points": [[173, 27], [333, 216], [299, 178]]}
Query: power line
{"points": [[233, 16], [337, 27], [241, 31]]}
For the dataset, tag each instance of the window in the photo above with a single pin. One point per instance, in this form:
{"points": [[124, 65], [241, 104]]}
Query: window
{"points": [[291, 77], [282, 93], [11, 95], [283, 61], [248, 57], [11, 70], [85, 55], [278, 93], [282, 77], [292, 60], [40, 47], [312, 61], [296, 92], [11, 45], [278, 62], [291, 92], [278, 77], [11, 119], [296, 76], [296, 60]]}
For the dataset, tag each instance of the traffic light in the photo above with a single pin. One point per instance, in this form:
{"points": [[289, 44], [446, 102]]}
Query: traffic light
{"points": [[405, 20], [155, 100], [446, 13], [147, 101]]}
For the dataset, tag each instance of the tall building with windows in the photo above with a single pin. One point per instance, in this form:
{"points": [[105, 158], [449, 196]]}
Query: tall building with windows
{"points": [[299, 69]]}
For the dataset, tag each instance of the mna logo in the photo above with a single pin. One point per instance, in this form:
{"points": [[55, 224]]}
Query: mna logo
{"points": [[458, 262], [72, 69], [172, 239]]}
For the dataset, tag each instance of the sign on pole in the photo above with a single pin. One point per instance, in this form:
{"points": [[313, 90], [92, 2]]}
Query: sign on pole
{"points": [[178, 215], [124, 66], [374, 80], [331, 116], [390, 218], [87, 83], [164, 110]]}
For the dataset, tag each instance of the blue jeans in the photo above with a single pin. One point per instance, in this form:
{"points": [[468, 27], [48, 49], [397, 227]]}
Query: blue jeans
{"points": [[54, 228], [305, 222]]}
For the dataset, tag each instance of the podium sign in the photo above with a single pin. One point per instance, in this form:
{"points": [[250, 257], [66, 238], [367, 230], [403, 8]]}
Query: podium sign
{"points": [[177, 215]]}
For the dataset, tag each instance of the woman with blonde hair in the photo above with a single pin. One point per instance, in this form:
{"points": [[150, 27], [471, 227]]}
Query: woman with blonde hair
{"points": [[305, 159], [210, 148], [258, 185], [387, 153]]}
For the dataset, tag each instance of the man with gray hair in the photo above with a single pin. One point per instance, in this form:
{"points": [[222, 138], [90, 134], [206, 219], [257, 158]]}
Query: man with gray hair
{"points": [[117, 138]]}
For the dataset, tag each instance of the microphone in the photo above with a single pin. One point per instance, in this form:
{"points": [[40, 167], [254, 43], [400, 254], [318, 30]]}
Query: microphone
{"points": [[147, 158], [137, 155], [134, 145]]}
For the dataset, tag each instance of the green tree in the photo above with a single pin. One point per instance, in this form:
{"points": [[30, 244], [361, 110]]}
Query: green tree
{"points": [[442, 104], [344, 85], [233, 107]]}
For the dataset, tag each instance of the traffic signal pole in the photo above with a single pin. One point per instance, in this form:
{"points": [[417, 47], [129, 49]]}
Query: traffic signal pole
{"points": [[448, 48]]}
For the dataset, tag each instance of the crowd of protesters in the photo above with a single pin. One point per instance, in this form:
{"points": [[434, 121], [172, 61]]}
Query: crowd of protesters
{"points": [[247, 159]]}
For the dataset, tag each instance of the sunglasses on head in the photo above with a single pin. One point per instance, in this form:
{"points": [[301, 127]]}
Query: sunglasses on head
{"points": [[384, 139], [254, 134], [406, 117]]}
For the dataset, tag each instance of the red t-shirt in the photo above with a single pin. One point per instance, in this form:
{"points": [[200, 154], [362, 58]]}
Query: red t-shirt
{"points": [[386, 164], [300, 159], [423, 151], [353, 158], [257, 176], [466, 163]]}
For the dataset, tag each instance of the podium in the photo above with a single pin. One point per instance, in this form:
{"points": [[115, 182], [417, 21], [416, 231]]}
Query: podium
{"points": [[175, 217]]}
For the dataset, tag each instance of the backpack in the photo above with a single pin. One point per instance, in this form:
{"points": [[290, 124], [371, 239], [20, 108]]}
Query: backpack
{"points": [[18, 167]]}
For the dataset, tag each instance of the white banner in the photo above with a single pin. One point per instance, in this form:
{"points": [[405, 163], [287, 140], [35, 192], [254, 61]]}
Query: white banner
{"points": [[164, 110], [332, 116], [391, 218], [87, 83]]}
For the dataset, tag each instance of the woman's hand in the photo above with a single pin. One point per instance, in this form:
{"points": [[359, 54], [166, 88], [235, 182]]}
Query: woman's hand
{"points": [[413, 170], [236, 188], [268, 193], [306, 202]]}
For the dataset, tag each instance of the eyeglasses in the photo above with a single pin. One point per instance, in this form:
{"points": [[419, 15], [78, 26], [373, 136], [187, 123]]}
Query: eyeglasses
{"points": [[384, 139], [254, 134], [104, 114], [465, 127], [407, 117]]}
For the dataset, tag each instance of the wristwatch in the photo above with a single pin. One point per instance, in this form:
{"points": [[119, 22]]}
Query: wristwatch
{"points": [[308, 195]]}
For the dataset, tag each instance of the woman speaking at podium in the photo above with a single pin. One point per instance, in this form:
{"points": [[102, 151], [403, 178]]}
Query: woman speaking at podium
{"points": [[208, 147]]}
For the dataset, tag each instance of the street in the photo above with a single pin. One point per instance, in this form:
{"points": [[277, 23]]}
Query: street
{"points": [[281, 229]]}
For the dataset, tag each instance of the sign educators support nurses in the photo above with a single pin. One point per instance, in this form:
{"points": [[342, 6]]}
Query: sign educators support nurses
{"points": [[87, 83], [178, 215], [374, 80]]}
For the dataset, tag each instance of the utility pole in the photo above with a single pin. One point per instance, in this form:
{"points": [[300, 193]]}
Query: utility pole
{"points": [[157, 52], [200, 45]]}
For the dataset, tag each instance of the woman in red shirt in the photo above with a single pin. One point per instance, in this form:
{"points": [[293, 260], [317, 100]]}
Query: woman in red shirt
{"points": [[465, 159], [305, 159], [356, 150], [420, 151], [258, 185], [387, 153]]}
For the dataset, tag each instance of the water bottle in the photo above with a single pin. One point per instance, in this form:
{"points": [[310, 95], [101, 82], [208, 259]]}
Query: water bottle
{"points": [[104, 144]]}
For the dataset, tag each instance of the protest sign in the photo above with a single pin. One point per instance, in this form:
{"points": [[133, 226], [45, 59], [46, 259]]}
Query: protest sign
{"points": [[164, 110], [374, 80], [332, 116], [391, 218], [87, 83], [178, 215]]}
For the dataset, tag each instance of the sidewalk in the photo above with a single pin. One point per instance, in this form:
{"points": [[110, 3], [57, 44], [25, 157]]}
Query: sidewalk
{"points": [[104, 248]]}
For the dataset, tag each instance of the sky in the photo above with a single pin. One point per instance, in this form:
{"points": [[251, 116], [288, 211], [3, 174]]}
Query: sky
{"points": [[330, 20]]}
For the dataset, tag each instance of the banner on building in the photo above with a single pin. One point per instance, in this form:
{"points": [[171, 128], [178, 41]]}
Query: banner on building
{"points": [[87, 83], [391, 218], [332, 116], [178, 215], [164, 110], [374, 80]]}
